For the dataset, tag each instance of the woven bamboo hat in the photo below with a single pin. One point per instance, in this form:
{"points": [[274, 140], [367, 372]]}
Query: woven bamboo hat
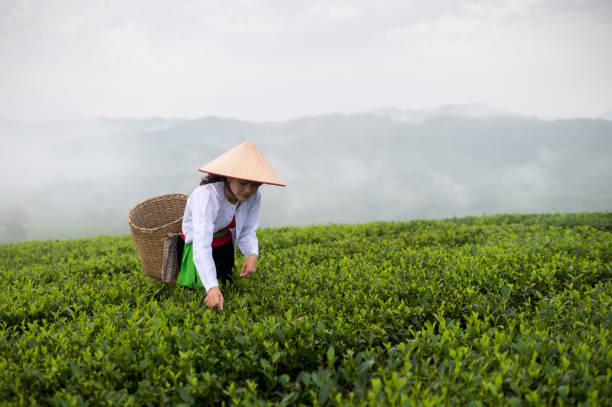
{"points": [[245, 162]]}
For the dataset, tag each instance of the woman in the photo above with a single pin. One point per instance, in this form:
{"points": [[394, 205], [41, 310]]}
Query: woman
{"points": [[222, 212]]}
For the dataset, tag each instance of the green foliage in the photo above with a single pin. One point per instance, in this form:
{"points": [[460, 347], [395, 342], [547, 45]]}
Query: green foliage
{"points": [[511, 310]]}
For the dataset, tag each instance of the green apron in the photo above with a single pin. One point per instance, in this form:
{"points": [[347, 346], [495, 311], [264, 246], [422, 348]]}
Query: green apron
{"points": [[188, 276]]}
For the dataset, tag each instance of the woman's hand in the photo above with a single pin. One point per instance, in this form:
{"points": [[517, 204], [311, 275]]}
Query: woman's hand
{"points": [[249, 266], [214, 298]]}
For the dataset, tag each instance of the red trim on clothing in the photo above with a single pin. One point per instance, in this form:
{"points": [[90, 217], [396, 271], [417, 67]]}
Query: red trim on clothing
{"points": [[220, 241]]}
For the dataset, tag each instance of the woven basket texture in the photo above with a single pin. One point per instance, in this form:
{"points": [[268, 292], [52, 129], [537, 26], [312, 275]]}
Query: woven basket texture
{"points": [[150, 222]]}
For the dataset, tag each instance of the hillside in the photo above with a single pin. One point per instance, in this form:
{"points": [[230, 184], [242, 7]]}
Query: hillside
{"points": [[79, 179], [512, 309]]}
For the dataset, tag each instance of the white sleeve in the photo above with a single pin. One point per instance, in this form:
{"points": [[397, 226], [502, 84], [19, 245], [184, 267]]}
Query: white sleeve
{"points": [[204, 209], [248, 239]]}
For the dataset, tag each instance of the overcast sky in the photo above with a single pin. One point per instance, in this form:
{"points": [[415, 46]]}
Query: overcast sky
{"points": [[280, 59]]}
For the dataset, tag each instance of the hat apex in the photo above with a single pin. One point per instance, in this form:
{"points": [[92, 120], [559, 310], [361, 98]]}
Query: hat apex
{"points": [[245, 162]]}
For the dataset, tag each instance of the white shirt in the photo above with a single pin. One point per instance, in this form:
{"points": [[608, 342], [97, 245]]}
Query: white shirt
{"points": [[207, 211]]}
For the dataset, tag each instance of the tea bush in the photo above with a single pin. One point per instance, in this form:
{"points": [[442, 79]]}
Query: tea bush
{"points": [[493, 310]]}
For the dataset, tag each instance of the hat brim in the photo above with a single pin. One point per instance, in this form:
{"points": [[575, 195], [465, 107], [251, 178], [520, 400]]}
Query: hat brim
{"points": [[246, 179]]}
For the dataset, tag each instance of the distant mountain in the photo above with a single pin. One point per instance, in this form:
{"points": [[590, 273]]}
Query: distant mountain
{"points": [[403, 116], [142, 125], [474, 110], [73, 179], [607, 116]]}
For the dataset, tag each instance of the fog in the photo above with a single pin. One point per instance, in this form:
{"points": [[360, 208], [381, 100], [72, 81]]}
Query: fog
{"points": [[79, 178]]}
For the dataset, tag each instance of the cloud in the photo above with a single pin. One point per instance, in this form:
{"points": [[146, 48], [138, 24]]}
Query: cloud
{"points": [[265, 60]]}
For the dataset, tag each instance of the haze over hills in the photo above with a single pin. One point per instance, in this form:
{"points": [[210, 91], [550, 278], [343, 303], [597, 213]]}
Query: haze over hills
{"points": [[79, 178], [607, 116]]}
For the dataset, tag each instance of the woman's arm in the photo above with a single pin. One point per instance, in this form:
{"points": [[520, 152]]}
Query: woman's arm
{"points": [[248, 239], [204, 209], [247, 242]]}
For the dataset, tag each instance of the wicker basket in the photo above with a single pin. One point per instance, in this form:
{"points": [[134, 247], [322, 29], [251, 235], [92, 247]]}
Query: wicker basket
{"points": [[150, 222]]}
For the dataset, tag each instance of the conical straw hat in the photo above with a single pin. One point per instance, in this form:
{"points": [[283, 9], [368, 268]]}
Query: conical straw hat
{"points": [[245, 162]]}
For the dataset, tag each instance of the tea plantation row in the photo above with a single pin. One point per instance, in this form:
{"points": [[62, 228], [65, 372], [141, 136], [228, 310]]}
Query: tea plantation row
{"points": [[499, 310]]}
